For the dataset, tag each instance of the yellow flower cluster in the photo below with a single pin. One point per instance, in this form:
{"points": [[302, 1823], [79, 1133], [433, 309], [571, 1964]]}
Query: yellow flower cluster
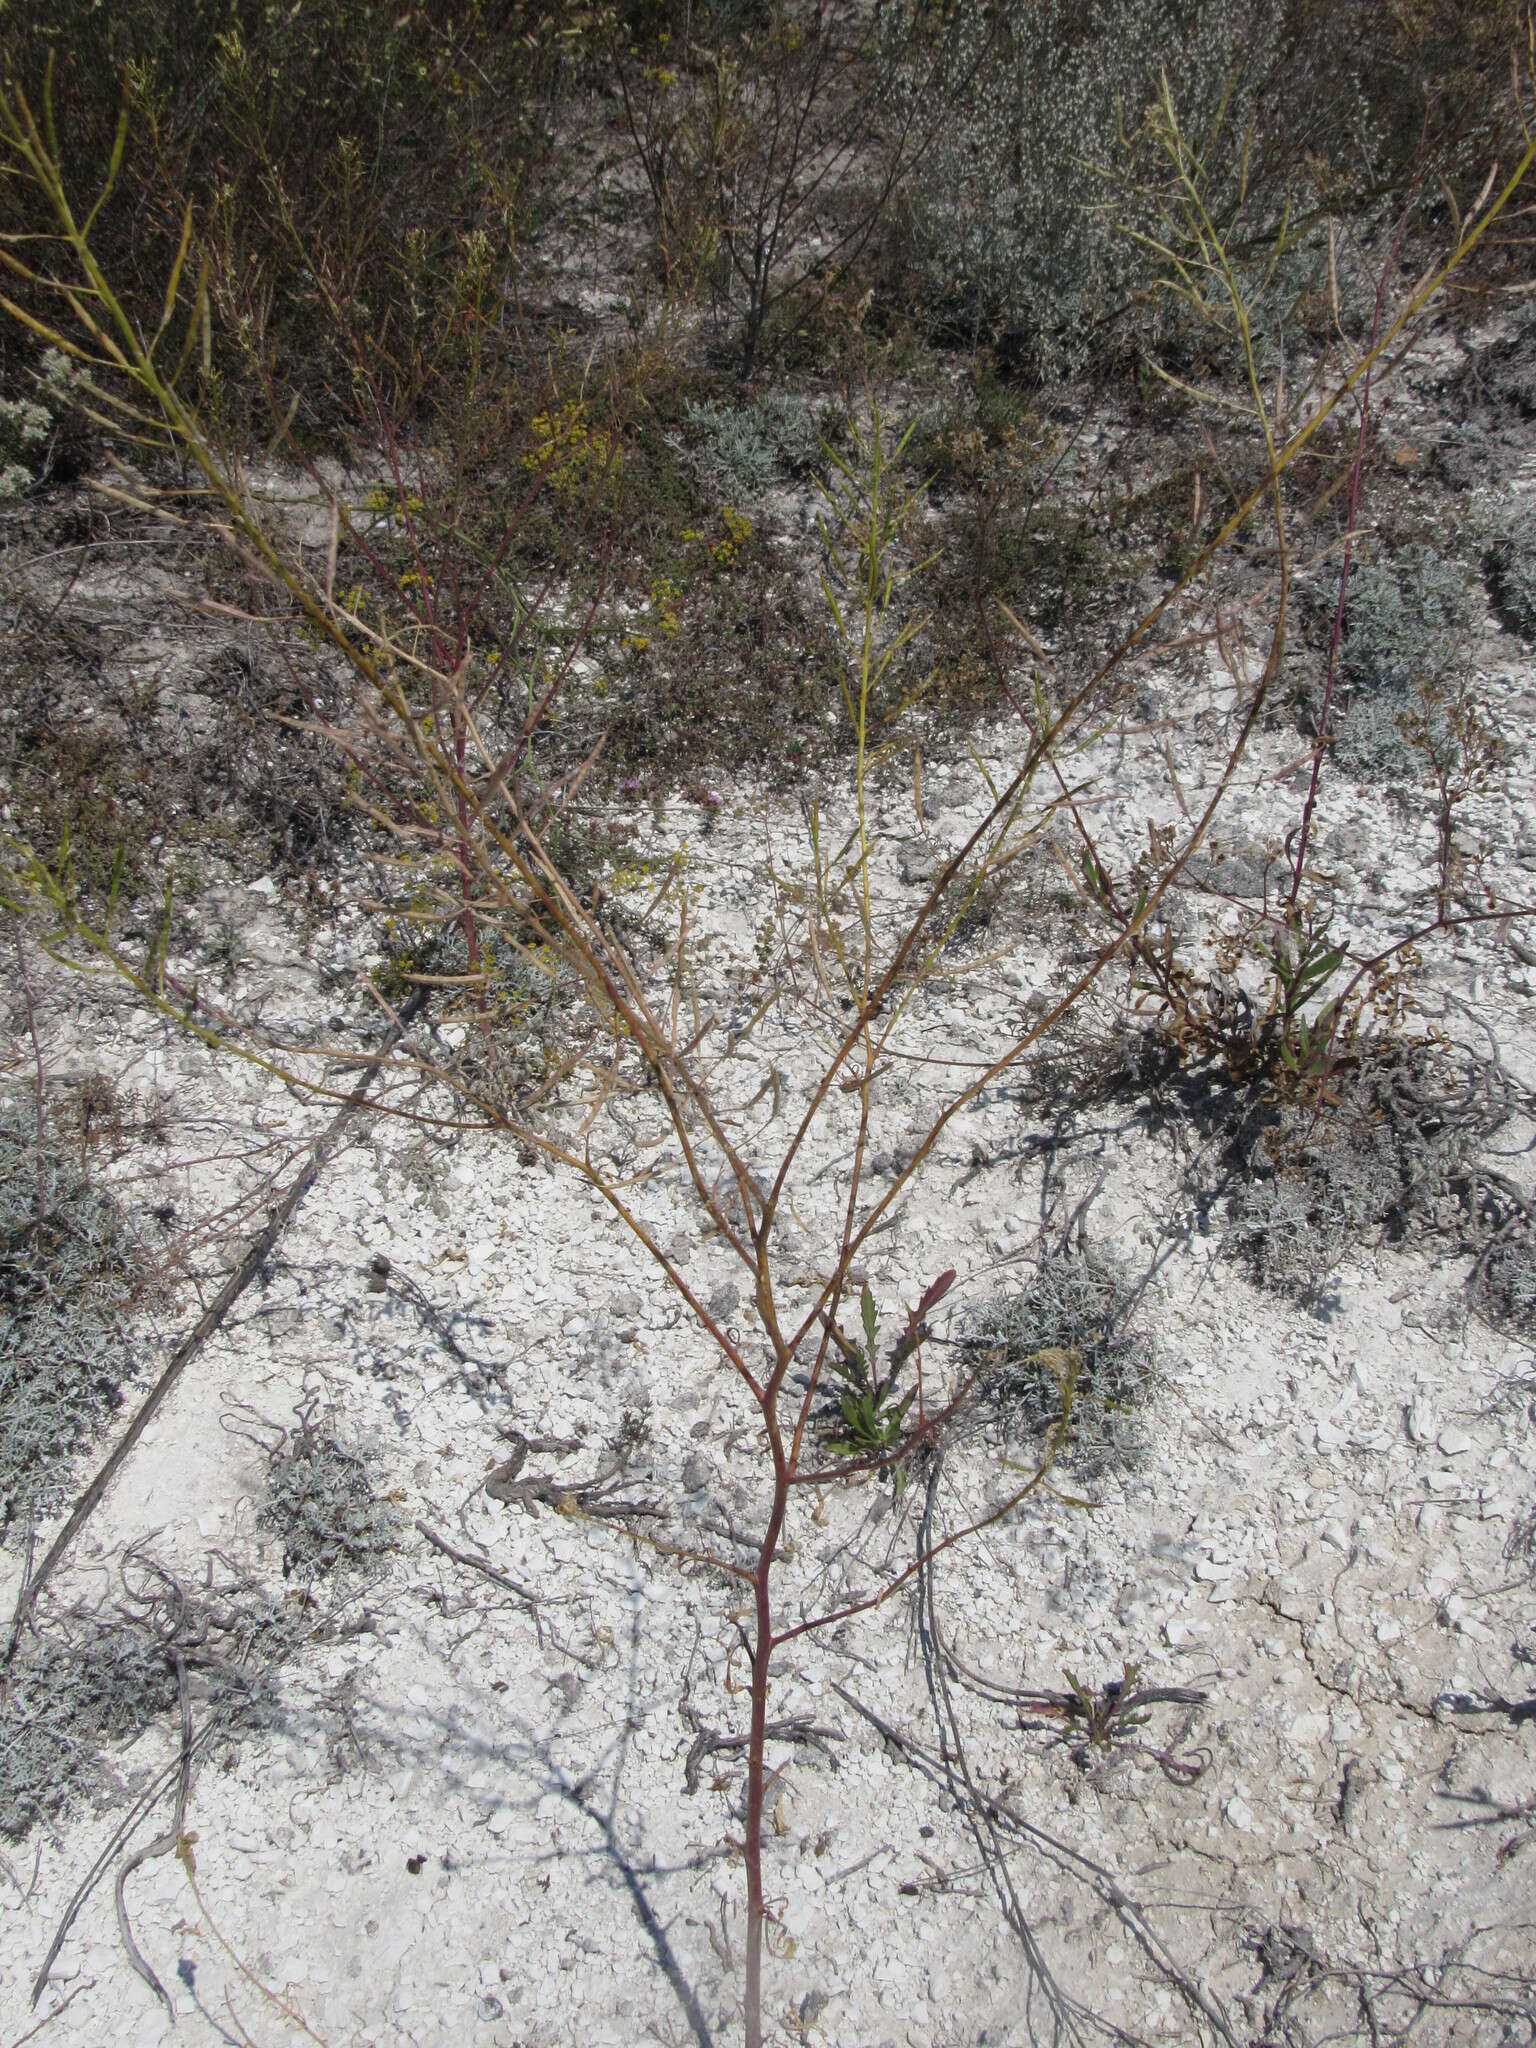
{"points": [[738, 531], [568, 449], [664, 596], [381, 500]]}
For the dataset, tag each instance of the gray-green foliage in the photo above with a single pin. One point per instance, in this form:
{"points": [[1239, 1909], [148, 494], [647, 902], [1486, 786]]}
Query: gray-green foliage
{"points": [[1504, 1286], [1018, 224], [1510, 568], [66, 1700], [1393, 1152], [742, 451], [91, 1682], [27, 425], [65, 1278], [321, 1505], [1079, 1306], [1408, 625]]}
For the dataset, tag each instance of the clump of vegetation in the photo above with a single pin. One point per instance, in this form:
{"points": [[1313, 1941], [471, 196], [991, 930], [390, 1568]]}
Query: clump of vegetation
{"points": [[321, 1504], [742, 451], [1408, 617], [1010, 212], [29, 427], [66, 1699], [94, 1680], [1407, 636], [340, 157], [1504, 1282], [1396, 1150], [1510, 569], [1068, 1344], [66, 1275]]}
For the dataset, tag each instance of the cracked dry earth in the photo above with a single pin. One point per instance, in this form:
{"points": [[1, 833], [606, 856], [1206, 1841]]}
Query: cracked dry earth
{"points": [[481, 1801]]}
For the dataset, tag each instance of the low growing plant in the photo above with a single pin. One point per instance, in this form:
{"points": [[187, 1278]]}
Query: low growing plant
{"points": [[743, 452], [320, 1503], [1509, 567], [66, 1278], [1405, 661], [1065, 1353]]}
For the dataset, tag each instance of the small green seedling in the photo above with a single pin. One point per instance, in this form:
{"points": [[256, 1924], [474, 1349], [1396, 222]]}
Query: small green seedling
{"points": [[871, 1417], [1302, 964]]}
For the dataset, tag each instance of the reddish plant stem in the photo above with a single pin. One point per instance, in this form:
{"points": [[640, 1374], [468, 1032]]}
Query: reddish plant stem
{"points": [[762, 1657]]}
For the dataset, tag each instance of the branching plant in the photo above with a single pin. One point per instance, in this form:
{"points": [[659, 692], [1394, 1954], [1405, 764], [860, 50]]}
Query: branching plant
{"points": [[1291, 999], [772, 157], [461, 778]]}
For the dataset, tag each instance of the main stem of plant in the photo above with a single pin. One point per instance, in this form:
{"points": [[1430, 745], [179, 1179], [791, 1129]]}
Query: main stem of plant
{"points": [[762, 1655]]}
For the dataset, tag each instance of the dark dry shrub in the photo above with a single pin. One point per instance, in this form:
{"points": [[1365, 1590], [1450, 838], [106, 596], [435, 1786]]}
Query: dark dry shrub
{"points": [[336, 156], [320, 1503], [1074, 1319], [65, 1281]]}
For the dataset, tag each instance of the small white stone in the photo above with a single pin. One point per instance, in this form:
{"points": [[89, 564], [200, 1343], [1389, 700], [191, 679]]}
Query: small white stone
{"points": [[1421, 1420], [1239, 1813], [1454, 1442], [1445, 1571]]}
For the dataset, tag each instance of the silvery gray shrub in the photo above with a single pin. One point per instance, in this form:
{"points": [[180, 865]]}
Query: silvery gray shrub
{"points": [[1408, 623], [1510, 569], [1020, 227], [743, 451]]}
